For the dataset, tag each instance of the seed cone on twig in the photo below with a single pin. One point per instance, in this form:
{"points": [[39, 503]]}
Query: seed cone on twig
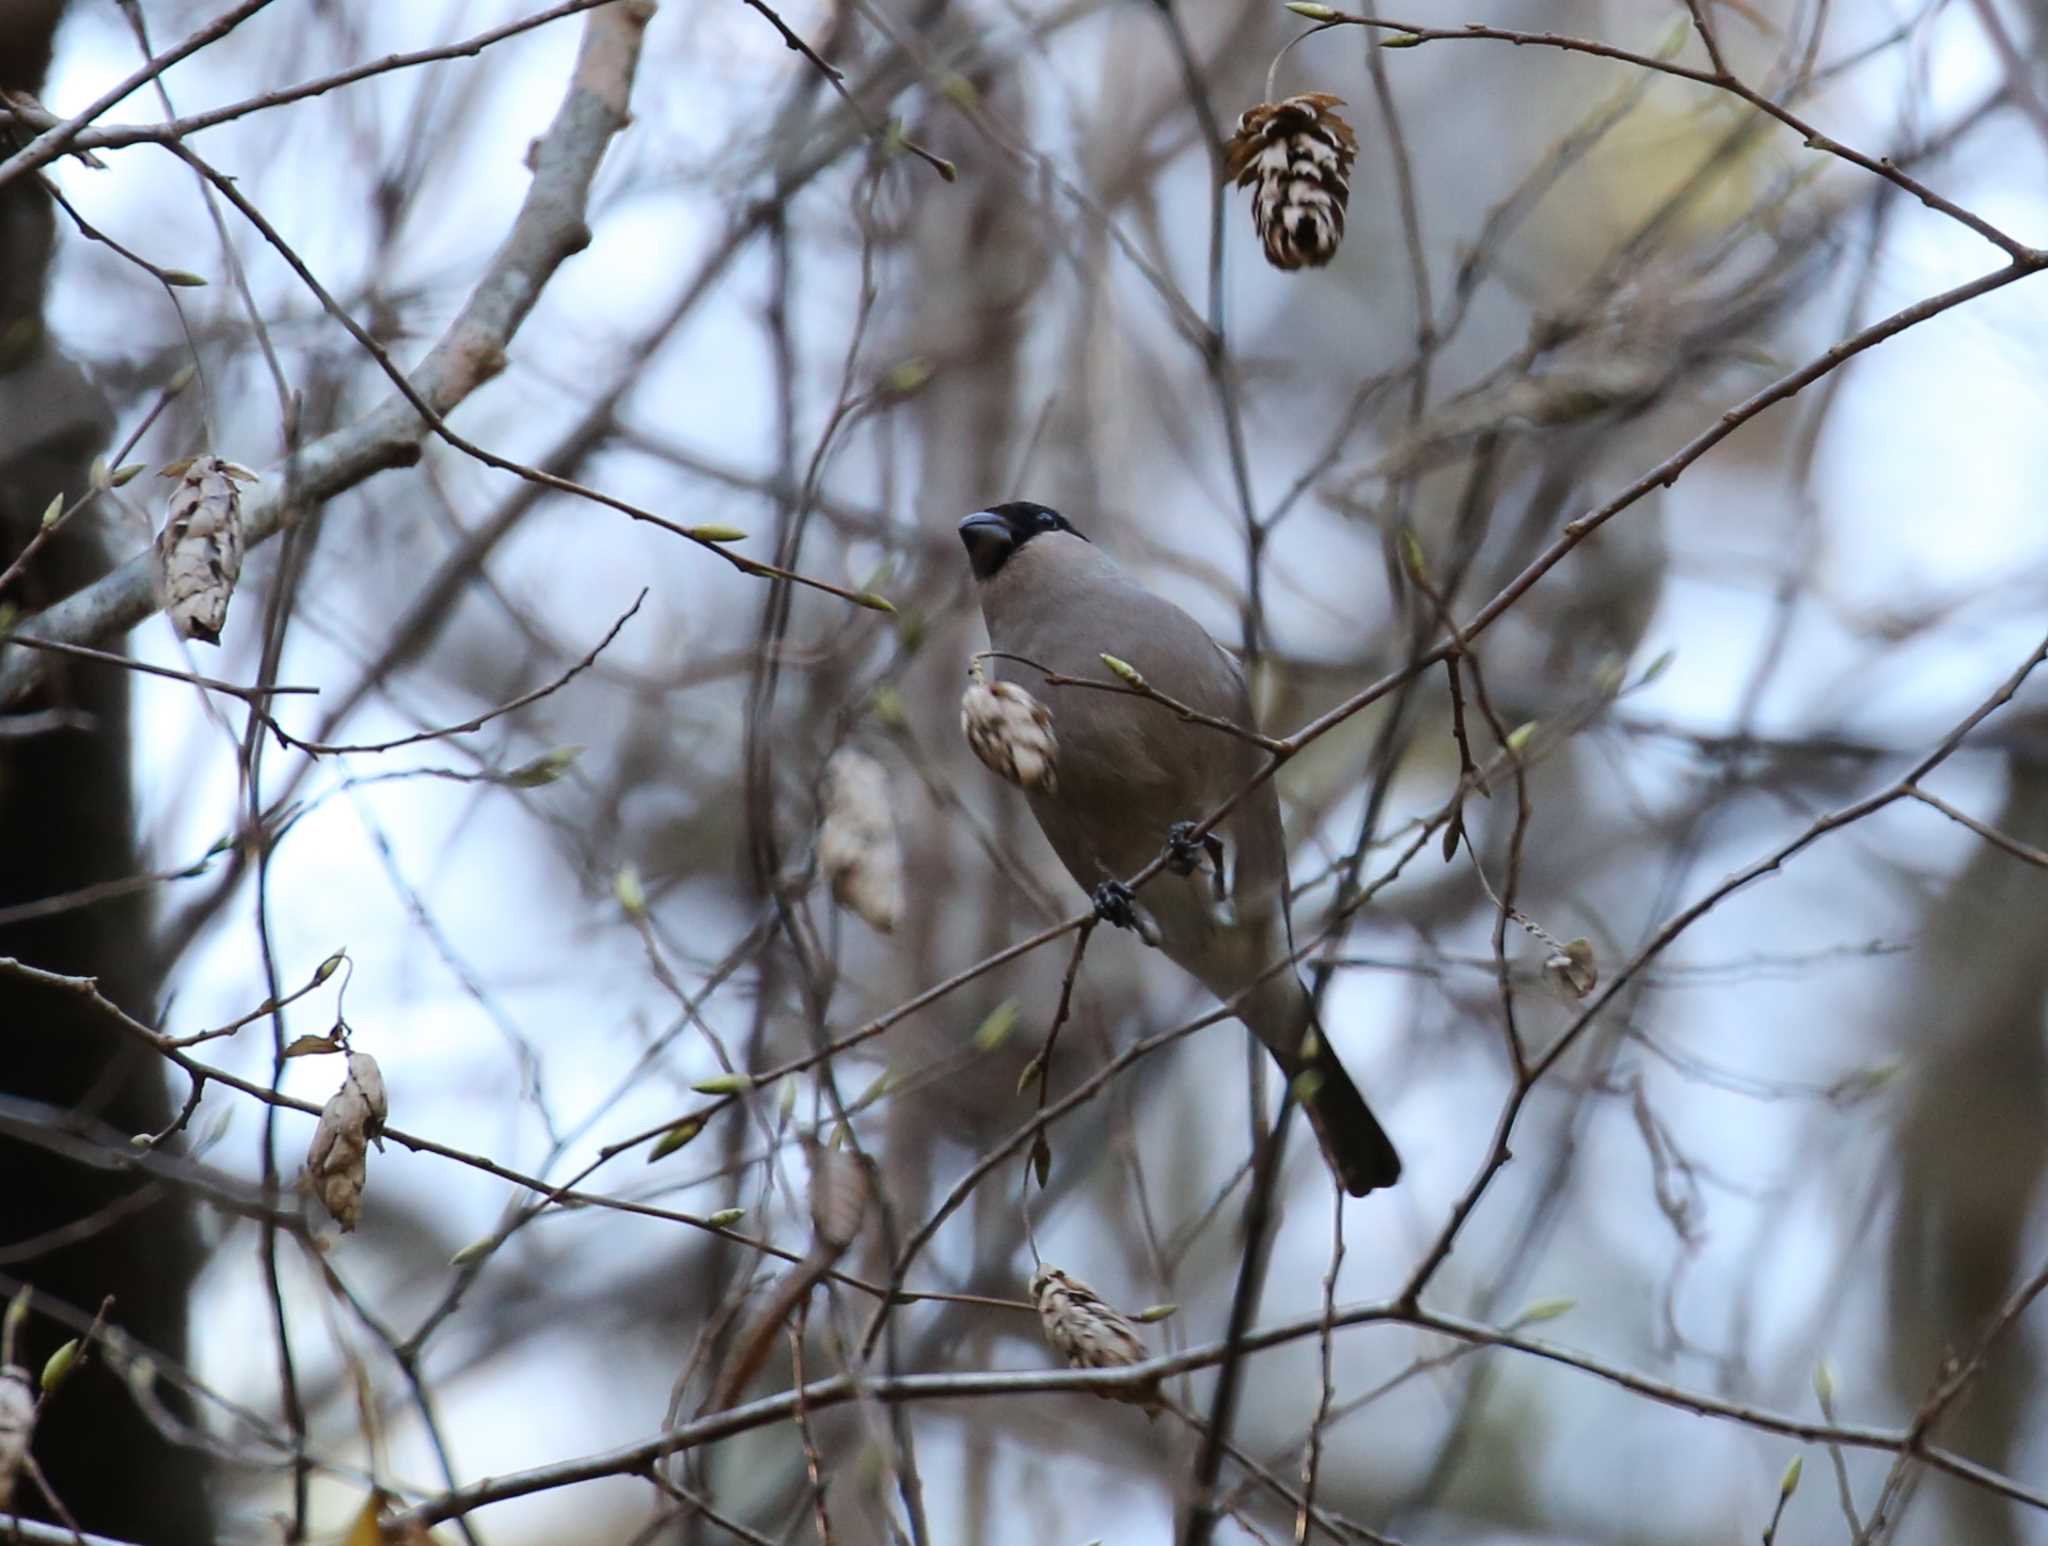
{"points": [[1089, 1332], [1011, 732], [839, 1197], [857, 846], [1296, 157], [199, 551], [17, 1426]]}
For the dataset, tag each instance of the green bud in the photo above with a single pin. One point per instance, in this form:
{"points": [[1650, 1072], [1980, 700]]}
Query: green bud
{"points": [[126, 475], [1403, 40], [995, 1030], [1123, 669], [1154, 1313], [674, 1139], [329, 967], [183, 279], [53, 512], [1656, 668], [725, 1218], [907, 377], [886, 704], [1411, 557], [1790, 1484], [1311, 11], [724, 1084], [716, 533], [631, 894], [474, 1252], [1864, 1081], [17, 1315], [544, 769], [1544, 1310], [58, 1368]]}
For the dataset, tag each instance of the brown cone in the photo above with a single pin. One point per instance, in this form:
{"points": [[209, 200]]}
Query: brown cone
{"points": [[1296, 156]]}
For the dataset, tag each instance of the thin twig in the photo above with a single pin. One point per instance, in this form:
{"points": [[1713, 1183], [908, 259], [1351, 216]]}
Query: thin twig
{"points": [[468, 726]]}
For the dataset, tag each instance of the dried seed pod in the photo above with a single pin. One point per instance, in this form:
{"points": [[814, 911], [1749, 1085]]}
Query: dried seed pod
{"points": [[337, 1161], [17, 1425], [199, 551], [1011, 732], [857, 847], [1296, 157], [839, 1197], [1088, 1332]]}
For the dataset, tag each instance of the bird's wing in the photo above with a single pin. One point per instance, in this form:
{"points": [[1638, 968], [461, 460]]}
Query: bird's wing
{"points": [[1129, 769]]}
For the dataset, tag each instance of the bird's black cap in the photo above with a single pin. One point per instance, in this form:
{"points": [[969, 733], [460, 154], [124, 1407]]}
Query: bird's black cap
{"points": [[992, 535]]}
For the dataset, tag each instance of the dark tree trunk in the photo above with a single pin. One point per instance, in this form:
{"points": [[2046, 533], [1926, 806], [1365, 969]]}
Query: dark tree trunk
{"points": [[78, 1233]]}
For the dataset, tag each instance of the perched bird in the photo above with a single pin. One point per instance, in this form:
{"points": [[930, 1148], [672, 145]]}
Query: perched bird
{"points": [[1133, 777]]}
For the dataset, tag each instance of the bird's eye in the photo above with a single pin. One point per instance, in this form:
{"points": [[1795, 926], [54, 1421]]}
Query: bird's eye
{"points": [[1047, 521]]}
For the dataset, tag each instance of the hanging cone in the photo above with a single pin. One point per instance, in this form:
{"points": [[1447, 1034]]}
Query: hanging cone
{"points": [[1089, 1332], [1296, 157]]}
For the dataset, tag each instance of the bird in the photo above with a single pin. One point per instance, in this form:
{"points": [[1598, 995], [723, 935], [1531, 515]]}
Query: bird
{"points": [[1134, 778]]}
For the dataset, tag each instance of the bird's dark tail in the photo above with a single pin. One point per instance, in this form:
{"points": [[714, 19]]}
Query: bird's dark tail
{"points": [[1353, 1141], [1282, 1016]]}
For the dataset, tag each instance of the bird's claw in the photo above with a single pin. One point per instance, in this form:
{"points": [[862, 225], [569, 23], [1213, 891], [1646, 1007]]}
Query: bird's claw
{"points": [[1115, 904]]}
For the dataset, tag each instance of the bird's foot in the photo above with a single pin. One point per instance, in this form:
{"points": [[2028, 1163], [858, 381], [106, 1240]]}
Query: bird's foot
{"points": [[1185, 852], [1115, 904]]}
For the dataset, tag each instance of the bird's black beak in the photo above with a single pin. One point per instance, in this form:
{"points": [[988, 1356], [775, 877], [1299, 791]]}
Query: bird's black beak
{"points": [[989, 542]]}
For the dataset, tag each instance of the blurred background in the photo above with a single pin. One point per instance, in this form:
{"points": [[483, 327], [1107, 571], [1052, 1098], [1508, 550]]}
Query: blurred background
{"points": [[1795, 1161]]}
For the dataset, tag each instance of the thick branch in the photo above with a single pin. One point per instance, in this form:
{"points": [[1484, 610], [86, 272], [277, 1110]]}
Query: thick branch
{"points": [[547, 231]]}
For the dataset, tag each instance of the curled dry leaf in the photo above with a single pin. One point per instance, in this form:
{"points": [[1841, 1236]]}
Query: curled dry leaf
{"points": [[199, 551], [17, 1425], [1088, 1332], [352, 1119], [1296, 158], [1572, 969], [857, 846], [1011, 732]]}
